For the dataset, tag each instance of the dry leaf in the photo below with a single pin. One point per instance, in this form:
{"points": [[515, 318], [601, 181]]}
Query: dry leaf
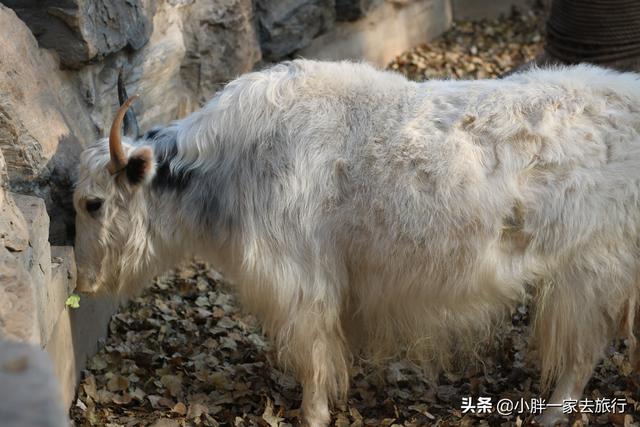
{"points": [[89, 387], [154, 401], [117, 383], [269, 416], [166, 423], [342, 421], [173, 383], [196, 410], [179, 408], [122, 399]]}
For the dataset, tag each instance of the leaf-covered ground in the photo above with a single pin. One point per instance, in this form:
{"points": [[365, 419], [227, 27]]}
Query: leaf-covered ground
{"points": [[476, 50], [184, 354]]}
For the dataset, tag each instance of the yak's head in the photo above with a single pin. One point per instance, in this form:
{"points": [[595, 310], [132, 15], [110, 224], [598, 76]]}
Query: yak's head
{"points": [[112, 244]]}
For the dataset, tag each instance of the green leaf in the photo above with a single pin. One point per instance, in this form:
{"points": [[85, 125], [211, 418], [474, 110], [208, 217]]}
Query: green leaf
{"points": [[73, 301]]}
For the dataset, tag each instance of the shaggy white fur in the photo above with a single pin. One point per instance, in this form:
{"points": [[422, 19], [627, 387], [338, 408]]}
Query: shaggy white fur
{"points": [[356, 210]]}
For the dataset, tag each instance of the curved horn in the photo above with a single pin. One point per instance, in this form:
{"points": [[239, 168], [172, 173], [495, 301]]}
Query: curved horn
{"points": [[130, 122], [118, 158]]}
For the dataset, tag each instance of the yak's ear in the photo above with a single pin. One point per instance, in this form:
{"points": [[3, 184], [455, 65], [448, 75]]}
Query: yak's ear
{"points": [[140, 165]]}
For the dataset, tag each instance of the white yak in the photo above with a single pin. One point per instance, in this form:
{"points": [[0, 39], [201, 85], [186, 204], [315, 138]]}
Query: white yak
{"points": [[358, 211]]}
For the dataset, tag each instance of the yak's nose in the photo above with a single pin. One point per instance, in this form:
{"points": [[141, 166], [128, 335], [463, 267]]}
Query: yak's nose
{"points": [[86, 282]]}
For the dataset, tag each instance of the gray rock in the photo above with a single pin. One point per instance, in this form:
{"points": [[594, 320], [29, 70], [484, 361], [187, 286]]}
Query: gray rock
{"points": [[350, 10], [18, 303], [36, 281], [36, 260], [152, 72], [84, 30], [221, 44], [44, 122], [194, 49], [75, 339], [288, 25], [13, 229], [29, 390]]}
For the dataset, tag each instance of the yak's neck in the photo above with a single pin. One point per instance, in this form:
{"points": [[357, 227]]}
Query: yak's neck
{"points": [[195, 217]]}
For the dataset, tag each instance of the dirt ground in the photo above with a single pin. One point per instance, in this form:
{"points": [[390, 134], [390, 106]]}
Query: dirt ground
{"points": [[184, 354]]}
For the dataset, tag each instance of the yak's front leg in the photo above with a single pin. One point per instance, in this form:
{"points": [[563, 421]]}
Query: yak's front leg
{"points": [[314, 347], [325, 377], [315, 404]]}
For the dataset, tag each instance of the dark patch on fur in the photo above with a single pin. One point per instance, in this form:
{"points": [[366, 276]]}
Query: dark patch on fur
{"points": [[136, 170], [152, 133], [201, 196], [166, 150], [165, 179]]}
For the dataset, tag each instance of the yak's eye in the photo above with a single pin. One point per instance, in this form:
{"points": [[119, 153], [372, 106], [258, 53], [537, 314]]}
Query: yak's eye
{"points": [[94, 205]]}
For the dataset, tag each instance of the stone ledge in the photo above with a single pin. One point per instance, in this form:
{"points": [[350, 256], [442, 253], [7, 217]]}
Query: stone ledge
{"points": [[76, 337], [69, 336], [36, 259], [39, 280], [18, 316], [384, 33]]}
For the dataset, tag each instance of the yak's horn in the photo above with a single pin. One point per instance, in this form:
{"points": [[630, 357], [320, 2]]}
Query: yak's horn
{"points": [[118, 158], [131, 128]]}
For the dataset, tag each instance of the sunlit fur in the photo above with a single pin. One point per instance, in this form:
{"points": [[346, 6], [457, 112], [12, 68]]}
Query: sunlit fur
{"points": [[355, 210]]}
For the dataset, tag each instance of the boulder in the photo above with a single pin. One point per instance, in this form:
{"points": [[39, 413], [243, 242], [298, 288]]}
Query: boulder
{"points": [[194, 49], [289, 25], [18, 302], [36, 259], [153, 72], [85, 30], [36, 280], [13, 230], [221, 44], [44, 122]]}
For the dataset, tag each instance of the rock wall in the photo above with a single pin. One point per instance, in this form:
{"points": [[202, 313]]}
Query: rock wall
{"points": [[17, 296], [289, 25], [86, 30], [44, 122], [35, 281], [221, 42]]}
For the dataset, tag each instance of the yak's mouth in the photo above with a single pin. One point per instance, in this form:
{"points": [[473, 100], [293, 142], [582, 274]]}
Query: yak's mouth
{"points": [[87, 283]]}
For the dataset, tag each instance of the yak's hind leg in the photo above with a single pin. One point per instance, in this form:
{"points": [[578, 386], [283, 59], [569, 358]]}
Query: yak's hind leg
{"points": [[577, 315]]}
